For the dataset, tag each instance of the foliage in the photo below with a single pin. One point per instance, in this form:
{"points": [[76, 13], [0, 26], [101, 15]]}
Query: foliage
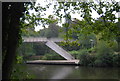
{"points": [[40, 48], [50, 32], [85, 8], [106, 11], [86, 58], [26, 49], [74, 53], [20, 70], [52, 56], [116, 59], [29, 32], [29, 50], [113, 45], [104, 54], [68, 45], [92, 50], [19, 59], [86, 41]]}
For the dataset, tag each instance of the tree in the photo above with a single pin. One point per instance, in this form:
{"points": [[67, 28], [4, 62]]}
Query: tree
{"points": [[53, 30], [85, 8], [11, 14], [105, 27]]}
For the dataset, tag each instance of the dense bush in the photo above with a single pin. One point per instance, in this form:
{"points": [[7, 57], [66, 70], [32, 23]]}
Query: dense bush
{"points": [[92, 50], [104, 55], [86, 58], [116, 59], [52, 56], [74, 53], [70, 46], [104, 60], [113, 45]]}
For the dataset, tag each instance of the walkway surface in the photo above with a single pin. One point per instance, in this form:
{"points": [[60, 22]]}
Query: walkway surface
{"points": [[59, 50], [58, 62]]}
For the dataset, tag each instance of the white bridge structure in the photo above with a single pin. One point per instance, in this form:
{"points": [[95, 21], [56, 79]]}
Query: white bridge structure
{"points": [[51, 44], [41, 39]]}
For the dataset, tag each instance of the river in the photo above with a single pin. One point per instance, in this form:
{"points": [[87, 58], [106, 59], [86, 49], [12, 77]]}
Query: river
{"points": [[73, 72]]}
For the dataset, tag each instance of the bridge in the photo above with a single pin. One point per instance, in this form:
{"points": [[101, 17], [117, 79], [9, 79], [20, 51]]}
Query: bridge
{"points": [[51, 44], [41, 39]]}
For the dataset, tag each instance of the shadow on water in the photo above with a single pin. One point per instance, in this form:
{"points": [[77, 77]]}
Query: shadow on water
{"points": [[58, 72]]}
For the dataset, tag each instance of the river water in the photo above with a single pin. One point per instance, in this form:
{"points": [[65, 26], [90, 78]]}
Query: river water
{"points": [[73, 72]]}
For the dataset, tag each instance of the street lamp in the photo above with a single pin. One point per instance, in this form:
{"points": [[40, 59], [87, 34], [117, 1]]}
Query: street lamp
{"points": [[92, 42]]}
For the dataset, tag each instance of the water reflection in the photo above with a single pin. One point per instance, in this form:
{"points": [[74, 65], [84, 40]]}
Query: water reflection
{"points": [[62, 72], [72, 72], [94, 73]]}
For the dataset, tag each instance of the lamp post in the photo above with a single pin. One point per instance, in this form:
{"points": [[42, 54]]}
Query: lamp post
{"points": [[92, 42]]}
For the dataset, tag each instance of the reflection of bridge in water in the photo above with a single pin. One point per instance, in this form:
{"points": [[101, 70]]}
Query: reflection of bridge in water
{"points": [[51, 44]]}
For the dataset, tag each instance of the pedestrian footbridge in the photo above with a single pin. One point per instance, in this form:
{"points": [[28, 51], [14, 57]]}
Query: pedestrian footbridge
{"points": [[51, 44], [41, 39]]}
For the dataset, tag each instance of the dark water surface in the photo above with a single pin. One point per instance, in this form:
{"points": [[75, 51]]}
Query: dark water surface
{"points": [[73, 72]]}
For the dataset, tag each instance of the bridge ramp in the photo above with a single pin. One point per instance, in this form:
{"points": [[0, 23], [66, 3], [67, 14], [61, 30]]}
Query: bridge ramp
{"points": [[59, 50]]}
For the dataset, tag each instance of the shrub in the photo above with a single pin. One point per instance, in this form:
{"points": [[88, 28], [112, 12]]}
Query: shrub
{"points": [[69, 46], [92, 50], [92, 59], [104, 60], [116, 59], [74, 54], [53, 56], [104, 55], [86, 58], [113, 45]]}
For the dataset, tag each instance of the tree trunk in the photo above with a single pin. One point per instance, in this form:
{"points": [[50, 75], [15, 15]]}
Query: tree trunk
{"points": [[11, 29]]}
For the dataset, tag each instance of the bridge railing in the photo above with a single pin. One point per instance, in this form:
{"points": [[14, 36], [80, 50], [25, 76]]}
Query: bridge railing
{"points": [[35, 39], [42, 39]]}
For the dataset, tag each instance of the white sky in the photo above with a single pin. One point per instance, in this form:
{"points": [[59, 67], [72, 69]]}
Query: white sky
{"points": [[50, 12]]}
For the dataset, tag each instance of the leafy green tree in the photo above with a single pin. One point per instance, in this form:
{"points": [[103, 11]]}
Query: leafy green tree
{"points": [[107, 16], [52, 30]]}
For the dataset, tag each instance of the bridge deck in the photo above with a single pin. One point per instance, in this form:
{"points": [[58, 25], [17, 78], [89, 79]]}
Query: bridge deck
{"points": [[57, 62], [41, 39]]}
